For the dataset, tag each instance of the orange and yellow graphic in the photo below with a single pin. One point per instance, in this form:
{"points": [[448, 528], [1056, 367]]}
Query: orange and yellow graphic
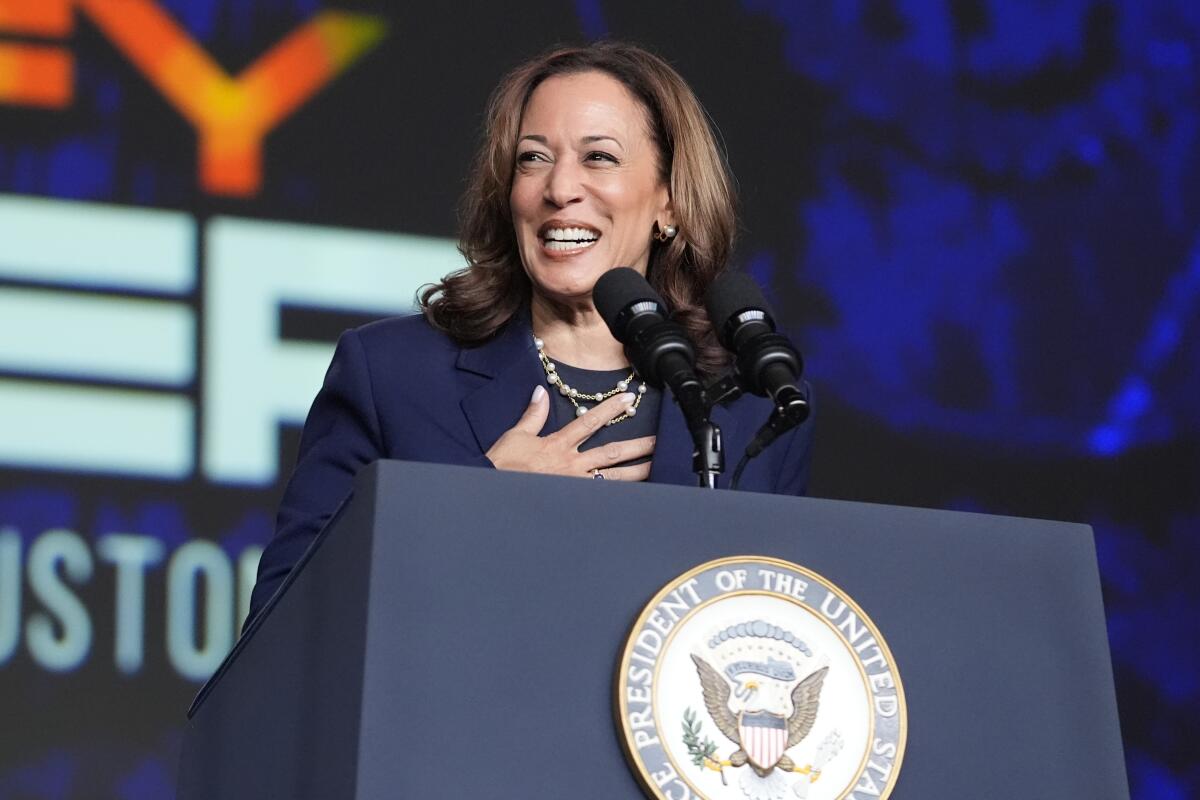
{"points": [[36, 17], [232, 115], [36, 74]]}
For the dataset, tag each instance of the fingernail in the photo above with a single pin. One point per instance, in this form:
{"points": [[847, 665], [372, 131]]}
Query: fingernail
{"points": [[538, 393], [627, 398]]}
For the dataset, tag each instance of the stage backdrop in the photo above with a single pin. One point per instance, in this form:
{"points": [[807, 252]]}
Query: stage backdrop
{"points": [[981, 216]]}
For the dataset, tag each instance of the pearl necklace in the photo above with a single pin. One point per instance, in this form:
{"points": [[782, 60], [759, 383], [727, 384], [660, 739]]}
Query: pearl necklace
{"points": [[574, 395]]}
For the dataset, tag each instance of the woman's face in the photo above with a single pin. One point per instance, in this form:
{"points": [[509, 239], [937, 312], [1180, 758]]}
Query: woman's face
{"points": [[586, 190]]}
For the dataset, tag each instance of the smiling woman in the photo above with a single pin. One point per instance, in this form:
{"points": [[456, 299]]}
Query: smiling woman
{"points": [[635, 119], [583, 202], [592, 158]]}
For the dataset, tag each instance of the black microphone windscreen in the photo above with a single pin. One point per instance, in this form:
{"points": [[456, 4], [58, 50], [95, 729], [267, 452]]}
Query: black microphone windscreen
{"points": [[618, 289], [729, 295]]}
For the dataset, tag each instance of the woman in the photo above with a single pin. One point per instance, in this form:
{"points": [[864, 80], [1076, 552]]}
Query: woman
{"points": [[593, 158]]}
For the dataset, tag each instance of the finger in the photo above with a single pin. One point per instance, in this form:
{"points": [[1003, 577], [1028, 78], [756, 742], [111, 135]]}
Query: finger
{"points": [[535, 413], [636, 472], [580, 429], [616, 452]]}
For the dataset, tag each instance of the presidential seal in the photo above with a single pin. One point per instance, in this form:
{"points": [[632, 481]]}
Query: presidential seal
{"points": [[757, 679]]}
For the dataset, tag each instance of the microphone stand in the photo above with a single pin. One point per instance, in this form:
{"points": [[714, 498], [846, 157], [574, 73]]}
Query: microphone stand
{"points": [[791, 409], [708, 454], [696, 402], [708, 459]]}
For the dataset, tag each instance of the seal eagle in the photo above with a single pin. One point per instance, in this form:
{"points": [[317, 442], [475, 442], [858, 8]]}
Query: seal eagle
{"points": [[805, 700]]}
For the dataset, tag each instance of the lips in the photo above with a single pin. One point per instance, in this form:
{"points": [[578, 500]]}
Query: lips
{"points": [[567, 236]]}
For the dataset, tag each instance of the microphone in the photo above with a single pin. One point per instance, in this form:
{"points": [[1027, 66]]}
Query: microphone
{"points": [[661, 352], [765, 361], [659, 348]]}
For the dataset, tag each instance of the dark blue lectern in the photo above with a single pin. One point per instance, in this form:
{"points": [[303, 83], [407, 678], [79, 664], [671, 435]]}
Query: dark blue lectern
{"points": [[454, 633]]}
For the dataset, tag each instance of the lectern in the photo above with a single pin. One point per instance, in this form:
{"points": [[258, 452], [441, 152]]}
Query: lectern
{"points": [[454, 632]]}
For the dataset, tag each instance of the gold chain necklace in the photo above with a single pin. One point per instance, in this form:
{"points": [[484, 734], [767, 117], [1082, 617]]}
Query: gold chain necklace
{"points": [[574, 395]]}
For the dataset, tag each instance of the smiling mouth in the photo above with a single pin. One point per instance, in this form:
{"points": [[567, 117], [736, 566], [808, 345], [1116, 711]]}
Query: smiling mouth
{"points": [[568, 239]]}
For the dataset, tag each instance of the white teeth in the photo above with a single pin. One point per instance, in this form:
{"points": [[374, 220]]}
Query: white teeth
{"points": [[551, 244], [570, 235]]}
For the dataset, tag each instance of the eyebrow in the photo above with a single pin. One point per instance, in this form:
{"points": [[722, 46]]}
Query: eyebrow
{"points": [[585, 140]]}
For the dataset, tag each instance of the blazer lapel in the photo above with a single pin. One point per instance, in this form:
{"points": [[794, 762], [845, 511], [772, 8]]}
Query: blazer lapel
{"points": [[510, 361], [672, 462]]}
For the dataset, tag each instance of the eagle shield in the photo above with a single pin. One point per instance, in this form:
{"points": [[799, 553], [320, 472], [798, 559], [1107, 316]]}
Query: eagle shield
{"points": [[764, 737], [761, 736]]}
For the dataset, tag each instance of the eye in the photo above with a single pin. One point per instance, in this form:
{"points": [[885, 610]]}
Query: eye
{"points": [[601, 156], [530, 156]]}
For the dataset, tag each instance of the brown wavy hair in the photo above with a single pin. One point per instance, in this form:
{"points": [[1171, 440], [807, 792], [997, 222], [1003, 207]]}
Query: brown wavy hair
{"points": [[472, 304]]}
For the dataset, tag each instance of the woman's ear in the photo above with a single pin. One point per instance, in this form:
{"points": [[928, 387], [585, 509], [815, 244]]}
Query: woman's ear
{"points": [[667, 216]]}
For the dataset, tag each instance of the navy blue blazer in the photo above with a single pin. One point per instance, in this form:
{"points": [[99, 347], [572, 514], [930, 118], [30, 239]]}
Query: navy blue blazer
{"points": [[399, 389]]}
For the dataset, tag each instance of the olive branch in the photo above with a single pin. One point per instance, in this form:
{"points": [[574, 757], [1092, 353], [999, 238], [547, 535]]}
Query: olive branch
{"points": [[700, 751]]}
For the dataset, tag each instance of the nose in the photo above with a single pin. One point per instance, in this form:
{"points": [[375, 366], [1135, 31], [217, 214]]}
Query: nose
{"points": [[564, 184]]}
